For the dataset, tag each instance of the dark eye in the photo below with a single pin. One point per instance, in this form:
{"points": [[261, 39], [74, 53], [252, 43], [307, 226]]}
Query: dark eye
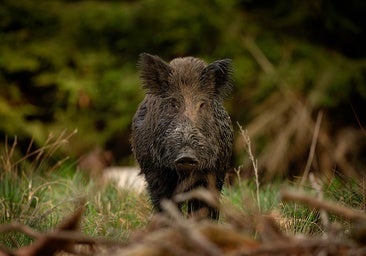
{"points": [[173, 104], [202, 104]]}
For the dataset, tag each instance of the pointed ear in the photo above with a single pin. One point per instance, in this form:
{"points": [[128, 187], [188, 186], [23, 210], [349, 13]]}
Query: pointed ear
{"points": [[154, 73], [219, 73]]}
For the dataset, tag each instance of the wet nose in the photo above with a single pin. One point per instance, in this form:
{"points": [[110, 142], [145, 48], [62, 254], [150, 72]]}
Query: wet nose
{"points": [[185, 162]]}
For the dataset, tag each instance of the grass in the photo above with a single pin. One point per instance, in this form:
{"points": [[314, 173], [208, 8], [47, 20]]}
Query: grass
{"points": [[41, 202], [294, 218], [41, 199]]}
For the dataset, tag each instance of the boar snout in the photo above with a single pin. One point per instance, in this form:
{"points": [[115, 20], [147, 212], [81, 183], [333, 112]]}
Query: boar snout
{"points": [[186, 161]]}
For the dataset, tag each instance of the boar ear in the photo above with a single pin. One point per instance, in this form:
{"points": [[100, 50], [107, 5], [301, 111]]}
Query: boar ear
{"points": [[219, 73], [154, 73]]}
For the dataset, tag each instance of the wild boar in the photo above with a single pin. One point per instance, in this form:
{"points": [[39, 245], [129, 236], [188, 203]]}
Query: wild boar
{"points": [[181, 134]]}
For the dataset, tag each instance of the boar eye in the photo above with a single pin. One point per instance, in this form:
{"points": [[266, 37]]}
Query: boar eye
{"points": [[174, 104], [202, 104]]}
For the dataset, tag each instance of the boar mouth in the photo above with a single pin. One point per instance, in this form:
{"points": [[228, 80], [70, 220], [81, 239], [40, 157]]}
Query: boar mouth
{"points": [[186, 162]]}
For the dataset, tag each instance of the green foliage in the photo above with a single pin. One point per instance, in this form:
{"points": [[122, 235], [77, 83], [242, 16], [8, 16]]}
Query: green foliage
{"points": [[72, 64]]}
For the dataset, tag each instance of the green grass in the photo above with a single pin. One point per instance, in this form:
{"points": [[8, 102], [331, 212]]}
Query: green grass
{"points": [[115, 213], [295, 218], [40, 189], [41, 199]]}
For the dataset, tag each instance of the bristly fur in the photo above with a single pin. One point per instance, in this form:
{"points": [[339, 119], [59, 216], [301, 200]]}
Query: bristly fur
{"points": [[154, 73], [220, 72], [159, 77], [182, 112]]}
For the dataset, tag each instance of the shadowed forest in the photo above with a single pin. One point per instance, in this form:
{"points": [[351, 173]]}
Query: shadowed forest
{"points": [[71, 65]]}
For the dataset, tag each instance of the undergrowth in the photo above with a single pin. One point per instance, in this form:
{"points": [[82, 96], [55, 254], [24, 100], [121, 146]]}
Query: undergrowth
{"points": [[33, 195], [40, 198]]}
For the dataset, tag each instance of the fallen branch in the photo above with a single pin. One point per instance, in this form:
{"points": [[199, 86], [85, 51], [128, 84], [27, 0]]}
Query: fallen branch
{"points": [[203, 245], [62, 238], [321, 204]]}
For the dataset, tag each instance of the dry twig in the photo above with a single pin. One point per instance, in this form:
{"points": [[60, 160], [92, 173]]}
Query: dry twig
{"points": [[63, 238], [312, 148], [341, 210], [254, 161], [204, 246]]}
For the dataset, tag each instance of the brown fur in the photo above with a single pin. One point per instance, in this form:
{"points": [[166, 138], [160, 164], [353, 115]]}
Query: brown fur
{"points": [[182, 114]]}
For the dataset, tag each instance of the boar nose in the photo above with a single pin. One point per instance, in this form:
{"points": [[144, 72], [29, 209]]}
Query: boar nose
{"points": [[186, 161]]}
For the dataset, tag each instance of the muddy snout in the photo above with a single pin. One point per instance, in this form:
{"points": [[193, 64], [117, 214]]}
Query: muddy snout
{"points": [[186, 161]]}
